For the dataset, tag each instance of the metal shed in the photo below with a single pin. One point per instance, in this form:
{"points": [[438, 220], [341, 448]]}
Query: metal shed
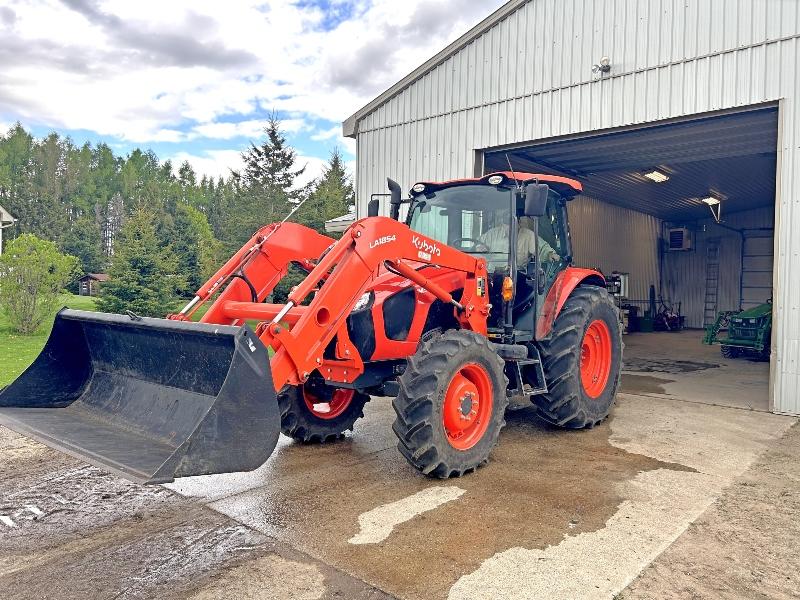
{"points": [[6, 221], [521, 82]]}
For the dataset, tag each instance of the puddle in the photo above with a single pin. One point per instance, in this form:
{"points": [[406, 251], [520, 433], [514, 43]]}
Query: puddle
{"points": [[665, 365], [541, 484], [642, 384]]}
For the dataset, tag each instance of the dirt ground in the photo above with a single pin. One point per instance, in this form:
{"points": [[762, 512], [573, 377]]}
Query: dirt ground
{"points": [[747, 545], [665, 499], [72, 532]]}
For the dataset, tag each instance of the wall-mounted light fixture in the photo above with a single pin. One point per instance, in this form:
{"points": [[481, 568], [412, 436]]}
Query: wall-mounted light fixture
{"points": [[604, 66], [657, 176]]}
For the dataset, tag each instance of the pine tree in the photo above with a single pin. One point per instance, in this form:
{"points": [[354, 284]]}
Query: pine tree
{"points": [[142, 275], [331, 195], [265, 188]]}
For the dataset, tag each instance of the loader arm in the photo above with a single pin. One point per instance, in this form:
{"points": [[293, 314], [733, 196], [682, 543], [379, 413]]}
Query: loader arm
{"points": [[339, 273], [254, 271], [299, 334]]}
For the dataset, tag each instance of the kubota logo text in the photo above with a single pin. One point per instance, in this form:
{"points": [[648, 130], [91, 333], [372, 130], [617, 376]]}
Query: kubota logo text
{"points": [[426, 249], [382, 240]]}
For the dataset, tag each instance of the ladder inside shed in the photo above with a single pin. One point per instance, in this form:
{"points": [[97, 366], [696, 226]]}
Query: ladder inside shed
{"points": [[711, 302]]}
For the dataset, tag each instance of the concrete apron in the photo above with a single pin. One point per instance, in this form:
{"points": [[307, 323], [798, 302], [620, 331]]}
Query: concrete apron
{"points": [[555, 514]]}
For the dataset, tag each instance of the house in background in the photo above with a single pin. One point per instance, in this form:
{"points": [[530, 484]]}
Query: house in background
{"points": [[340, 224], [6, 220], [89, 284]]}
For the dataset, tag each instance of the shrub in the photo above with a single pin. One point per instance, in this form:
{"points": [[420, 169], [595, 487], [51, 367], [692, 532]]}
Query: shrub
{"points": [[32, 275]]}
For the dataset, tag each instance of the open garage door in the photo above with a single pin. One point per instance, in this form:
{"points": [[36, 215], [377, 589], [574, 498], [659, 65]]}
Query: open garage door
{"points": [[685, 211], [757, 268]]}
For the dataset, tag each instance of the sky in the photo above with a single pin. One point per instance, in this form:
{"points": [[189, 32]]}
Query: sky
{"points": [[195, 80]]}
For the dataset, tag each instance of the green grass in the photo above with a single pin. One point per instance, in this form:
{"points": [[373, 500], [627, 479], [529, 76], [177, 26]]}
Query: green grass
{"points": [[18, 351]]}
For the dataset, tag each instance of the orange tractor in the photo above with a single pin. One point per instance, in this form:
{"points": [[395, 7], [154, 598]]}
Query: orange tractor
{"points": [[469, 305]]}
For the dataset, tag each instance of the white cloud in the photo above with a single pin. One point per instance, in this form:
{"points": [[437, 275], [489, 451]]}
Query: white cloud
{"points": [[151, 71], [348, 144], [225, 131], [314, 167], [327, 134], [214, 163]]}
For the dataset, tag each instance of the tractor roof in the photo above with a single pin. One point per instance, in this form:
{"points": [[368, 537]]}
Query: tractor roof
{"points": [[567, 186]]}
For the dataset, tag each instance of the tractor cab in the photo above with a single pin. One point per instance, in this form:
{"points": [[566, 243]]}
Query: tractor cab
{"points": [[483, 216]]}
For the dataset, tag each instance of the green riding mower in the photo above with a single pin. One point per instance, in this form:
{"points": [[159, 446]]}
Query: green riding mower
{"points": [[748, 332]]}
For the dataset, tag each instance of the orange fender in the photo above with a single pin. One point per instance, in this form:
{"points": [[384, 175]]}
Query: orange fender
{"points": [[562, 287]]}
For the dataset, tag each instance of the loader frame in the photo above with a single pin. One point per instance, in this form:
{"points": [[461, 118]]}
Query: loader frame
{"points": [[298, 333]]}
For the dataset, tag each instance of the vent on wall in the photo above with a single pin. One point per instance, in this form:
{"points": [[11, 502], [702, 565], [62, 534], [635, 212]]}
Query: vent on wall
{"points": [[680, 239]]}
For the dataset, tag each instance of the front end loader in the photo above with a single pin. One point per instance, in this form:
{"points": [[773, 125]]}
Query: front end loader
{"points": [[748, 332], [469, 304]]}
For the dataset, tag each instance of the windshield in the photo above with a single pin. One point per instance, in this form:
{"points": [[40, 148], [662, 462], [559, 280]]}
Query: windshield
{"points": [[471, 218], [475, 219]]}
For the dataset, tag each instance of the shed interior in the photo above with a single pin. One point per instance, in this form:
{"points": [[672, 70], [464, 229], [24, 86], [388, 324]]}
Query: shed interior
{"points": [[687, 210]]}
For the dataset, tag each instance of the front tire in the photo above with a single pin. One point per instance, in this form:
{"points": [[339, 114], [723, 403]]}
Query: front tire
{"points": [[582, 360], [451, 404], [730, 351], [320, 414]]}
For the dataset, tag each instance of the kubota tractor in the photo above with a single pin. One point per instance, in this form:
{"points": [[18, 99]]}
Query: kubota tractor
{"points": [[468, 305]]}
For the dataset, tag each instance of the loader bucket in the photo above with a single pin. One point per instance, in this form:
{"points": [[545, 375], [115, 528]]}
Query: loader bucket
{"points": [[149, 399]]}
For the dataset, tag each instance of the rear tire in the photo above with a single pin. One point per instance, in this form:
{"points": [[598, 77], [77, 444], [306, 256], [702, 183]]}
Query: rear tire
{"points": [[304, 416], [451, 404], [582, 359], [730, 351]]}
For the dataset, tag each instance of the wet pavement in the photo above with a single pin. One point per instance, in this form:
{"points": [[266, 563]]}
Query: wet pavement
{"points": [[677, 365], [555, 514]]}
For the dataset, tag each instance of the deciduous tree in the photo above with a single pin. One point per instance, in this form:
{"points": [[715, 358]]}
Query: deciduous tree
{"points": [[32, 275]]}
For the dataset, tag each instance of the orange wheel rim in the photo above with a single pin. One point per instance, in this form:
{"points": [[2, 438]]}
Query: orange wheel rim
{"points": [[328, 409], [467, 406], [595, 358]]}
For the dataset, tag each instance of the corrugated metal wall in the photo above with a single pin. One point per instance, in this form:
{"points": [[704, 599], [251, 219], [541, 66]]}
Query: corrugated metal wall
{"points": [[684, 274], [528, 78], [612, 238]]}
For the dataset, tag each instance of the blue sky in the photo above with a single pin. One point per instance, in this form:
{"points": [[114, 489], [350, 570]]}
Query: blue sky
{"points": [[195, 80]]}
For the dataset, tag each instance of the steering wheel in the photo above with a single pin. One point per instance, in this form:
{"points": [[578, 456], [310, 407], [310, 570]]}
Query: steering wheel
{"points": [[551, 268], [477, 245]]}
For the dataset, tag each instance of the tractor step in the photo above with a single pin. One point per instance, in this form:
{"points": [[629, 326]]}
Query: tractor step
{"points": [[525, 374]]}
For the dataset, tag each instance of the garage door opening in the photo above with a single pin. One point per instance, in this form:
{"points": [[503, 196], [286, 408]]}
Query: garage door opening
{"points": [[683, 215]]}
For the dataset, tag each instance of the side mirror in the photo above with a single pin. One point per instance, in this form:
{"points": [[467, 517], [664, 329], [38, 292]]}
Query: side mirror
{"points": [[536, 199], [373, 208], [396, 200]]}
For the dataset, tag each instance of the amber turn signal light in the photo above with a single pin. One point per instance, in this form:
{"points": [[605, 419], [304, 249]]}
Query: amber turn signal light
{"points": [[508, 289]]}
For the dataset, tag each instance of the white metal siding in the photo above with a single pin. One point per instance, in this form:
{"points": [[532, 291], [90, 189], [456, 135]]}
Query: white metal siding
{"points": [[612, 238], [528, 78], [684, 273]]}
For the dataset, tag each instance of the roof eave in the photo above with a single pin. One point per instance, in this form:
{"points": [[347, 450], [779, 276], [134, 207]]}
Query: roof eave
{"points": [[350, 125]]}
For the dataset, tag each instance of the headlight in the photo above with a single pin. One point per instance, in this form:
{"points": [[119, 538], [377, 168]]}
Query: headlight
{"points": [[363, 302]]}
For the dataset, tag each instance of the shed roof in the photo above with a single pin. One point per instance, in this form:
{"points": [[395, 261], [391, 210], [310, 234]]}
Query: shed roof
{"points": [[5, 216], [95, 276], [350, 125]]}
